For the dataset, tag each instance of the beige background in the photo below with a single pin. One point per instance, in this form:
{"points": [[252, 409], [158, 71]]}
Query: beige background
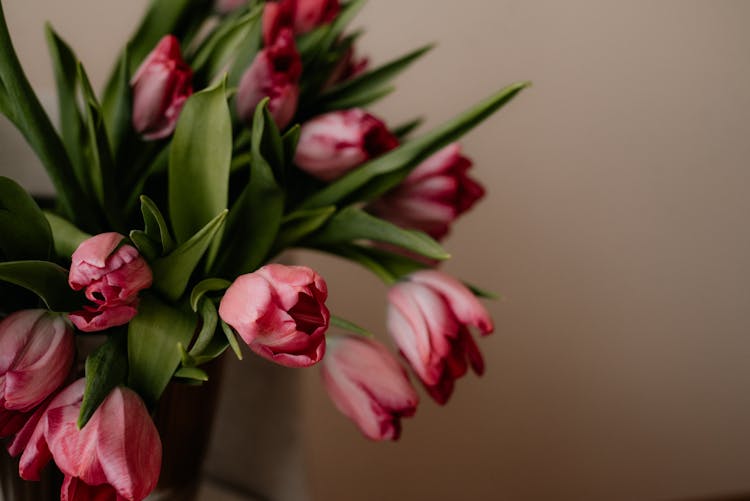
{"points": [[616, 230]]}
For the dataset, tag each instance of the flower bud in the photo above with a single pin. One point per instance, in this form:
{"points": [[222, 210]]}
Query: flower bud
{"points": [[112, 275], [331, 145], [299, 15], [275, 74], [428, 318], [161, 86], [368, 386], [433, 195]]}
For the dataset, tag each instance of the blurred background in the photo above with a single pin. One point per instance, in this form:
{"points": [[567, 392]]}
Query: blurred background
{"points": [[615, 230]]}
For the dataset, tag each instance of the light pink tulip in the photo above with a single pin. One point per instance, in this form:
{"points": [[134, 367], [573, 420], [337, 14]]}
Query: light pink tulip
{"points": [[116, 456], [161, 86], [36, 354], [428, 318], [433, 195], [275, 74], [331, 145], [368, 386], [113, 274], [280, 312], [300, 15], [227, 6]]}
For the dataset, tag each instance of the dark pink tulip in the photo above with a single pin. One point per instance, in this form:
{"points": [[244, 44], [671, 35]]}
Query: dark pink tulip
{"points": [[113, 274], [331, 145], [348, 67], [36, 354], [277, 15], [275, 74], [280, 312], [312, 13], [428, 318], [116, 456], [368, 386], [433, 195], [226, 6], [160, 88]]}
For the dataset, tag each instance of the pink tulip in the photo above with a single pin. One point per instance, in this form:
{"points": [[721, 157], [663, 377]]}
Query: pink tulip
{"points": [[428, 318], [116, 456], [112, 274], [160, 88], [300, 15], [348, 67], [36, 354], [433, 195], [331, 145], [275, 74], [368, 386], [280, 312], [227, 6]]}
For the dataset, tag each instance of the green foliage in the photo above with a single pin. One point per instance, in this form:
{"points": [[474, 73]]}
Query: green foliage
{"points": [[106, 368], [25, 232], [47, 280]]}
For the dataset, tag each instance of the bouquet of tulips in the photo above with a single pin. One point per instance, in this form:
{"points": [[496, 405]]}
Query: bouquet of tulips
{"points": [[228, 132]]}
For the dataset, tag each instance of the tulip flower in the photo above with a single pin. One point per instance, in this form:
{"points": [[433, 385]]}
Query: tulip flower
{"points": [[116, 456], [280, 312], [368, 385], [332, 144], [161, 86], [36, 354], [429, 316], [275, 74], [348, 67], [299, 15], [433, 195], [112, 273]]}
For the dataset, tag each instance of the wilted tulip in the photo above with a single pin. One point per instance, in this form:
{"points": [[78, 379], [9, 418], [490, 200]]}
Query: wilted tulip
{"points": [[275, 74], [331, 145], [433, 195], [280, 312], [160, 88], [368, 386], [113, 274], [428, 318], [116, 456], [36, 354]]}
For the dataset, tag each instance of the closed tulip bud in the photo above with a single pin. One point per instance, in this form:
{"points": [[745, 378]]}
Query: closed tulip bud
{"points": [[277, 15], [331, 145], [116, 456], [368, 386], [161, 86], [112, 275], [36, 354], [275, 74], [433, 195], [429, 317], [280, 312], [312, 13]]}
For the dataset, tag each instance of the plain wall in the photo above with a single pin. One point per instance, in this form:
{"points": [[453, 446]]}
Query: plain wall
{"points": [[615, 230]]}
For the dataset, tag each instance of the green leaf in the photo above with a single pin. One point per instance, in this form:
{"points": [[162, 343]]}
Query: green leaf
{"points": [[255, 217], [117, 110], [369, 83], [210, 318], [199, 162], [173, 271], [481, 293], [353, 224], [300, 224], [289, 143], [47, 280], [231, 339], [153, 338], [206, 286], [402, 131], [337, 27], [192, 373], [348, 326], [150, 249], [66, 236], [364, 98], [106, 368], [155, 225], [25, 232], [362, 183]]}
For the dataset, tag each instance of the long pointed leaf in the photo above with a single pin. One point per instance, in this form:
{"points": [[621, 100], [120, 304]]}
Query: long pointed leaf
{"points": [[47, 280], [25, 233]]}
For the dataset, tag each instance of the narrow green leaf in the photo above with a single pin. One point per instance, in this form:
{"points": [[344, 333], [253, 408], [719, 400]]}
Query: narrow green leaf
{"points": [[106, 368], [173, 271], [210, 318], [155, 225], [337, 27], [193, 373], [206, 286], [199, 161], [353, 224], [357, 254], [67, 237], [149, 248], [118, 110], [153, 337], [481, 293], [25, 232], [364, 98], [299, 224], [348, 326], [402, 131], [401, 160], [47, 280], [289, 143], [232, 339]]}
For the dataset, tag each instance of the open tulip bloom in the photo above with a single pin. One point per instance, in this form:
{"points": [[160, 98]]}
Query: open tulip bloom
{"points": [[228, 132]]}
